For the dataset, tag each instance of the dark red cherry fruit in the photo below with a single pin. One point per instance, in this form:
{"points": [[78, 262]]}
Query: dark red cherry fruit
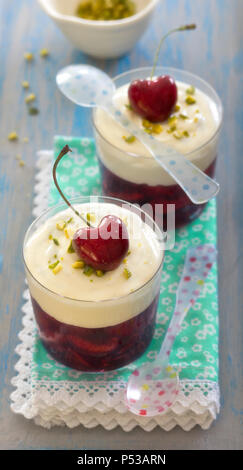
{"points": [[153, 99], [102, 247]]}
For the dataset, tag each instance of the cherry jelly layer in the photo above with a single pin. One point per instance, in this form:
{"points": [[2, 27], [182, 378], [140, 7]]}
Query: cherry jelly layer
{"points": [[185, 210], [96, 349]]}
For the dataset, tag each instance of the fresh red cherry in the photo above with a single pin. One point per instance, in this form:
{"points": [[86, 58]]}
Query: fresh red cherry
{"points": [[153, 99], [102, 247]]}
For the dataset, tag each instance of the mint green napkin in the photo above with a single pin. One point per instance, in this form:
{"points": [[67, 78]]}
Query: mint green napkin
{"points": [[196, 347]]}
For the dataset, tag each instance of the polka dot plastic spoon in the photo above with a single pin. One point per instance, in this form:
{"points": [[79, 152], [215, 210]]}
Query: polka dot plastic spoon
{"points": [[153, 388], [86, 85]]}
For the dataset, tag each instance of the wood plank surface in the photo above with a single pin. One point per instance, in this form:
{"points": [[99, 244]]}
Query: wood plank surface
{"points": [[214, 51]]}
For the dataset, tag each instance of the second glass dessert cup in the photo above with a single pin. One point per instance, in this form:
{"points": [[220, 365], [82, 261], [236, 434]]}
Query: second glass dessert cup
{"points": [[138, 178], [95, 336]]}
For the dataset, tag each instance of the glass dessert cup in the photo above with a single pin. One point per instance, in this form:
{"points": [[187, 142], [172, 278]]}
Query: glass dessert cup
{"points": [[95, 336], [138, 178]]}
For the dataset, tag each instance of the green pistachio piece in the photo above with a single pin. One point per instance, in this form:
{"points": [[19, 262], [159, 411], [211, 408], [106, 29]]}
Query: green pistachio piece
{"points": [[190, 100]]}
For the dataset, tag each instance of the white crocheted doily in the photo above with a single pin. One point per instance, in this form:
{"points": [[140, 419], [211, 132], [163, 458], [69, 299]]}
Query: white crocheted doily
{"points": [[64, 403]]}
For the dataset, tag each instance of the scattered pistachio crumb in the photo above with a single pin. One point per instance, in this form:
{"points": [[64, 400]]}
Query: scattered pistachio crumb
{"points": [[129, 139], [57, 269], [13, 136], [177, 108], [69, 220], [99, 273], [191, 90], [127, 274], [91, 280], [78, 264], [53, 265], [128, 106], [55, 240], [25, 84], [125, 260], [28, 56], [33, 111], [21, 163], [190, 100], [151, 127], [196, 119], [30, 97], [129, 252], [50, 237], [70, 248], [44, 52]]}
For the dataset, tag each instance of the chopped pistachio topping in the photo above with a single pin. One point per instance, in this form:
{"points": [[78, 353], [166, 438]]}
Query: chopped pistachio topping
{"points": [[70, 248], [55, 240], [13, 136], [66, 233], [90, 217], [99, 273], [21, 163], [183, 116], [25, 84], [57, 269], [105, 9], [126, 273], [78, 264], [129, 139], [125, 260], [129, 106], [88, 270], [177, 108], [178, 135], [186, 134], [28, 56], [44, 52], [53, 265], [61, 225], [50, 237], [190, 100], [129, 252], [151, 127], [191, 90], [196, 119], [172, 120], [69, 220]]}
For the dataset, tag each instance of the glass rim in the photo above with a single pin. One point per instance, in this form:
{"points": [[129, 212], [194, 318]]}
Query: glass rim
{"points": [[59, 205], [168, 70]]}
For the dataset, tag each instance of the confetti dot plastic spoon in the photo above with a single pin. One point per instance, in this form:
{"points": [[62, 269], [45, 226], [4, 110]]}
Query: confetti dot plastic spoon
{"points": [[153, 388], [88, 86]]}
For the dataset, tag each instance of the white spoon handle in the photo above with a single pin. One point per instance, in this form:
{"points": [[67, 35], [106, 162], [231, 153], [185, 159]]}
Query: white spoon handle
{"points": [[199, 187]]}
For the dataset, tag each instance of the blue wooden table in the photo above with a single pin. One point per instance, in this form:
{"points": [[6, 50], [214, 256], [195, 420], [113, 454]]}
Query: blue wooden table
{"points": [[214, 53]]}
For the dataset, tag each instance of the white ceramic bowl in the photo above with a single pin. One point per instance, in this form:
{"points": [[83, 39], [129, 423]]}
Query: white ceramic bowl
{"points": [[101, 39]]}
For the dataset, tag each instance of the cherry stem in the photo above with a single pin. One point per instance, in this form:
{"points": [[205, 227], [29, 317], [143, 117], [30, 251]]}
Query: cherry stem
{"points": [[187, 27], [63, 152]]}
